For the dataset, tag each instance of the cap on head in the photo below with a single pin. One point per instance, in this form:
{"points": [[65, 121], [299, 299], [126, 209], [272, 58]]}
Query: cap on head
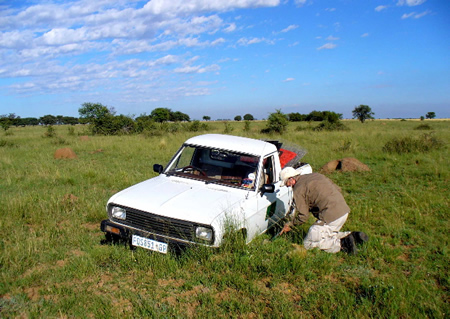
{"points": [[286, 173]]}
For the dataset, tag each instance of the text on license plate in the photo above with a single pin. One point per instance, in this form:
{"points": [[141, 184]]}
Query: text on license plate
{"points": [[149, 244]]}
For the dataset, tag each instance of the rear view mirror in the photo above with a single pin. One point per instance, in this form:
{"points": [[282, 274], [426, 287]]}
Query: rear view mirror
{"points": [[267, 188], [158, 168]]}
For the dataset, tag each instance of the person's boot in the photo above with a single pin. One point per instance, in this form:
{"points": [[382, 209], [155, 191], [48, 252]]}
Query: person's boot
{"points": [[348, 245], [360, 237]]}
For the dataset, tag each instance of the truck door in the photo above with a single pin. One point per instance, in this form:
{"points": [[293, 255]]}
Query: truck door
{"points": [[271, 206]]}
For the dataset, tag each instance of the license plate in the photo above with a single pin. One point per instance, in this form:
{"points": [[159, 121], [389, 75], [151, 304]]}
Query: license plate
{"points": [[150, 244]]}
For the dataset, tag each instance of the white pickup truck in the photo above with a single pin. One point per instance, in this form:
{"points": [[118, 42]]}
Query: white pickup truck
{"points": [[212, 181]]}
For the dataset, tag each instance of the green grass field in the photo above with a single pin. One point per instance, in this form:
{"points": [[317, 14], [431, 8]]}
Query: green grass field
{"points": [[52, 264]]}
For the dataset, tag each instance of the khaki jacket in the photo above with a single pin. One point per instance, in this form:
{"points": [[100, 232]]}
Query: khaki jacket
{"points": [[317, 194]]}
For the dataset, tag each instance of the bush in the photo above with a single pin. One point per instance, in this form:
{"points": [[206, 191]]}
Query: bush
{"points": [[145, 123], [331, 126], [50, 131], [228, 128], [196, 126], [424, 143], [247, 126], [423, 127], [113, 125], [276, 122], [170, 127], [71, 131]]}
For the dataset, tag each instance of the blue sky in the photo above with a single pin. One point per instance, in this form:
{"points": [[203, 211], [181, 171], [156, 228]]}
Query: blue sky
{"points": [[225, 58]]}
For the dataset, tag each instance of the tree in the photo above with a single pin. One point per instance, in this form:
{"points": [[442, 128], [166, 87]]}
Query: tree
{"points": [[5, 122], [430, 115], [91, 111], [248, 117], [331, 117], [238, 118], [28, 121], [362, 113], [48, 120], [296, 117], [206, 118], [316, 116], [179, 117], [161, 114], [276, 122], [69, 120]]}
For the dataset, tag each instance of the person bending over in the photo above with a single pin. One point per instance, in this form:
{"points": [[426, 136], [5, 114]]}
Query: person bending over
{"points": [[317, 194]]}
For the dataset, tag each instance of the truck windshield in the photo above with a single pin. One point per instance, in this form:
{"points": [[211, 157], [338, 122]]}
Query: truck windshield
{"points": [[216, 166]]}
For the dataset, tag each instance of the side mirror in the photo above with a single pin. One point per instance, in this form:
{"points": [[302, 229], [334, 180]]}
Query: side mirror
{"points": [[158, 168], [267, 188]]}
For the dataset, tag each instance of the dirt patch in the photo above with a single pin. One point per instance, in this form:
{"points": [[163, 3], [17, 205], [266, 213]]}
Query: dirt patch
{"points": [[64, 153], [32, 293], [348, 164], [171, 282], [84, 138], [70, 198]]}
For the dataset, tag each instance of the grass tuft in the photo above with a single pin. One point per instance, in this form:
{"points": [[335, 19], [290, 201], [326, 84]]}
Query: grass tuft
{"points": [[424, 143]]}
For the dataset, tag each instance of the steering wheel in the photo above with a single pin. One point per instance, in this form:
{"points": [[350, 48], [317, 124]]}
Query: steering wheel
{"points": [[193, 168]]}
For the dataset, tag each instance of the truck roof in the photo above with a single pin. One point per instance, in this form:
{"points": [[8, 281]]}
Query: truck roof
{"points": [[233, 143]]}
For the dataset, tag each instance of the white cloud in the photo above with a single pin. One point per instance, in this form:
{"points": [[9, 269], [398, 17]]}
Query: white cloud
{"points": [[175, 7], [364, 35], [415, 15], [289, 80], [195, 25], [218, 41], [331, 38], [381, 8], [420, 15], [330, 9], [197, 69], [410, 3], [327, 46], [289, 28], [16, 39], [246, 41], [408, 15], [300, 3], [230, 28]]}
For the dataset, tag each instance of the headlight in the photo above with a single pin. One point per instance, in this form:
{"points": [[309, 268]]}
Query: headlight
{"points": [[119, 213], [204, 233]]}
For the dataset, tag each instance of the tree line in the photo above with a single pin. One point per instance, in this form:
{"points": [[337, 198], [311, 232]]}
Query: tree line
{"points": [[103, 120]]}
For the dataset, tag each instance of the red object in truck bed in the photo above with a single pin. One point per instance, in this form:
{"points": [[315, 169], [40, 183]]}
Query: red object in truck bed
{"points": [[286, 156]]}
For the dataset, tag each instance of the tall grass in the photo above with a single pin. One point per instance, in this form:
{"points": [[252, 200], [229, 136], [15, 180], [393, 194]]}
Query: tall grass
{"points": [[53, 263]]}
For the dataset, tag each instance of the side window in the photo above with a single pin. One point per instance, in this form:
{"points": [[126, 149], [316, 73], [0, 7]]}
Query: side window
{"points": [[268, 173]]}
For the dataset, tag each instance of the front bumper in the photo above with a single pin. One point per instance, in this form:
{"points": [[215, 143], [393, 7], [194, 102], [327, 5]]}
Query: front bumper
{"points": [[119, 231]]}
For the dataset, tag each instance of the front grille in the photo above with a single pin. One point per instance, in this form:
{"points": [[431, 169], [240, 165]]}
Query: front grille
{"points": [[159, 225]]}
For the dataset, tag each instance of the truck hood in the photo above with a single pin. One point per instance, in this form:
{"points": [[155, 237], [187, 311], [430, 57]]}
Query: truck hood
{"points": [[180, 198]]}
